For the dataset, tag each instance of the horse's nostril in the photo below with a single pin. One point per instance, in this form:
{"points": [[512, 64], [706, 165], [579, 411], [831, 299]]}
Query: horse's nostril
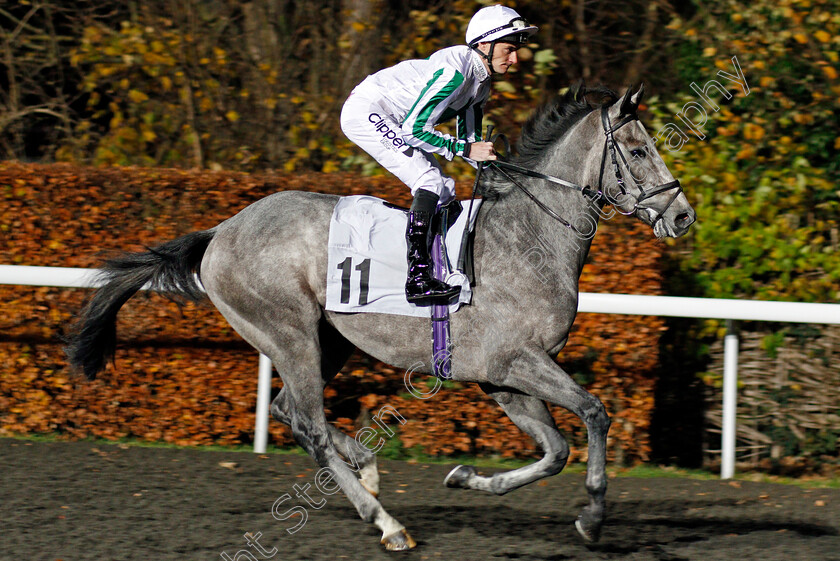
{"points": [[684, 219]]}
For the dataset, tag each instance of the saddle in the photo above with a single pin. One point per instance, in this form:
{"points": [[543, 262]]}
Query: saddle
{"points": [[366, 263]]}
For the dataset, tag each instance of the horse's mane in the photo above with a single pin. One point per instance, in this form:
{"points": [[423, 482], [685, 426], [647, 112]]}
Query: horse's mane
{"points": [[546, 125]]}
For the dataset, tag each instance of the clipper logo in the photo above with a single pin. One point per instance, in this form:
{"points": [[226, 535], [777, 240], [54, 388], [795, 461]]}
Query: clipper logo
{"points": [[390, 139]]}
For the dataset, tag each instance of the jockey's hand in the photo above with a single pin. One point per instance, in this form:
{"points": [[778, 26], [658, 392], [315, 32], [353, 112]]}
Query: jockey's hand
{"points": [[482, 151]]}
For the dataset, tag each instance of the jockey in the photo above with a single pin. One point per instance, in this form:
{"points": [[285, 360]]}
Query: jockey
{"points": [[391, 115]]}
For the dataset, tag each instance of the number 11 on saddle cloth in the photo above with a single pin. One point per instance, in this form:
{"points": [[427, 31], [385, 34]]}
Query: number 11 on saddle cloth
{"points": [[366, 266]]}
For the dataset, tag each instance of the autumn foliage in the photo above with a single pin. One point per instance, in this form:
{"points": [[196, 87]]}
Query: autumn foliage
{"points": [[182, 375]]}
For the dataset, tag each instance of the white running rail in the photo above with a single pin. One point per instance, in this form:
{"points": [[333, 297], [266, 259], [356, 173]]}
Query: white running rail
{"points": [[629, 304]]}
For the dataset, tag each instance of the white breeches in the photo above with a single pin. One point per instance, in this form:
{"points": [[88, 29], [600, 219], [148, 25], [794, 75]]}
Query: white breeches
{"points": [[368, 125]]}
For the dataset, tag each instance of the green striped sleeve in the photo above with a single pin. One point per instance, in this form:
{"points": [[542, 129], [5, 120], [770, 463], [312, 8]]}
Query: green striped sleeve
{"points": [[428, 109]]}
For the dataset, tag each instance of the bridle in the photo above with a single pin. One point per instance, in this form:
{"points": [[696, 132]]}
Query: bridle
{"points": [[612, 146], [599, 195]]}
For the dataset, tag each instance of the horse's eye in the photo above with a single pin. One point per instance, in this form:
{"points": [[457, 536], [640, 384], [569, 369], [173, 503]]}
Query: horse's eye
{"points": [[638, 153]]}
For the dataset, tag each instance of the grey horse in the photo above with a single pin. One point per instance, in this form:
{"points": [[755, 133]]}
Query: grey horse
{"points": [[265, 270]]}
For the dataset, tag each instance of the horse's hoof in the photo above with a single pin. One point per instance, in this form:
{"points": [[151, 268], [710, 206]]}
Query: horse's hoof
{"points": [[398, 541], [458, 477], [590, 531]]}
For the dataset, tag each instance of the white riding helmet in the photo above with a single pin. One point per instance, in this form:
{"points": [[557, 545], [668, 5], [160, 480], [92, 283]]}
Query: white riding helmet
{"points": [[496, 22]]}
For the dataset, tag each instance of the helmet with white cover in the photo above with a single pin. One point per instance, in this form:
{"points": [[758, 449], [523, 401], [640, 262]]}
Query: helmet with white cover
{"points": [[495, 23]]}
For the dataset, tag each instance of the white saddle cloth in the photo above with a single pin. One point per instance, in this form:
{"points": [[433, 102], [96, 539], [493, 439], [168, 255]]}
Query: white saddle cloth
{"points": [[367, 268]]}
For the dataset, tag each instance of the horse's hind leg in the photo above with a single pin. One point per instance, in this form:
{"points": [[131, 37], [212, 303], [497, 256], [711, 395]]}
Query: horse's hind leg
{"points": [[335, 350], [303, 406], [295, 352], [359, 458], [532, 416]]}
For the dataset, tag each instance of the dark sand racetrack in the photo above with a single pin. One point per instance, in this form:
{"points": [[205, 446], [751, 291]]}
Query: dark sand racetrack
{"points": [[80, 500]]}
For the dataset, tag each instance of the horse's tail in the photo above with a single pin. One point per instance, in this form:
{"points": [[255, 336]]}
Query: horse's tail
{"points": [[170, 268]]}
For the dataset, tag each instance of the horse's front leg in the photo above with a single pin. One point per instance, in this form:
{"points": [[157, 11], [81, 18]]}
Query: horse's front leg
{"points": [[532, 417], [532, 371]]}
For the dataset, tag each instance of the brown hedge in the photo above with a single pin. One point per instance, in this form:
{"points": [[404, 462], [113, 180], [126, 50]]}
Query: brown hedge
{"points": [[183, 375]]}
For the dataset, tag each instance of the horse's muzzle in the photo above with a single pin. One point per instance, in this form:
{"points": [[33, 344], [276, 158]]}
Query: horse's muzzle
{"points": [[674, 225]]}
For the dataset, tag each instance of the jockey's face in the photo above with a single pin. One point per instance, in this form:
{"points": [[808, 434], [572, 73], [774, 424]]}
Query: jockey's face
{"points": [[504, 55]]}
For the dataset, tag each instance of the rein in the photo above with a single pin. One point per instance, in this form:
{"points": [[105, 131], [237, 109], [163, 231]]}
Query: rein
{"points": [[615, 153], [500, 165]]}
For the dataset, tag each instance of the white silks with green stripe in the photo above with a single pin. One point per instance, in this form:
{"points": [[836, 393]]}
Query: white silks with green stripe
{"points": [[419, 94]]}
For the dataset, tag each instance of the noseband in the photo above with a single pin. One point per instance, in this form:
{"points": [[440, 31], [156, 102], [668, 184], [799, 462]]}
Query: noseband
{"points": [[611, 146]]}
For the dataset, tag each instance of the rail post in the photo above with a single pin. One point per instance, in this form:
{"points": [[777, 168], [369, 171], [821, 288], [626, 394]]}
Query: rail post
{"points": [[730, 401], [263, 400]]}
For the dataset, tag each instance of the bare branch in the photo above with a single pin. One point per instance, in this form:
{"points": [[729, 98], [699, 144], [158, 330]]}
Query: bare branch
{"points": [[22, 23], [9, 118]]}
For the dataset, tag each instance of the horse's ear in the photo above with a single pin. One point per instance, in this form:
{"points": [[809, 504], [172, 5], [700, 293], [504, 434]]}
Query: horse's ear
{"points": [[624, 102], [579, 90], [630, 101], [637, 97]]}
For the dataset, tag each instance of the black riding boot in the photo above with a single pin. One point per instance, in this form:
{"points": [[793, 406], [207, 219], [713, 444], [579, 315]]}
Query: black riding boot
{"points": [[422, 288]]}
